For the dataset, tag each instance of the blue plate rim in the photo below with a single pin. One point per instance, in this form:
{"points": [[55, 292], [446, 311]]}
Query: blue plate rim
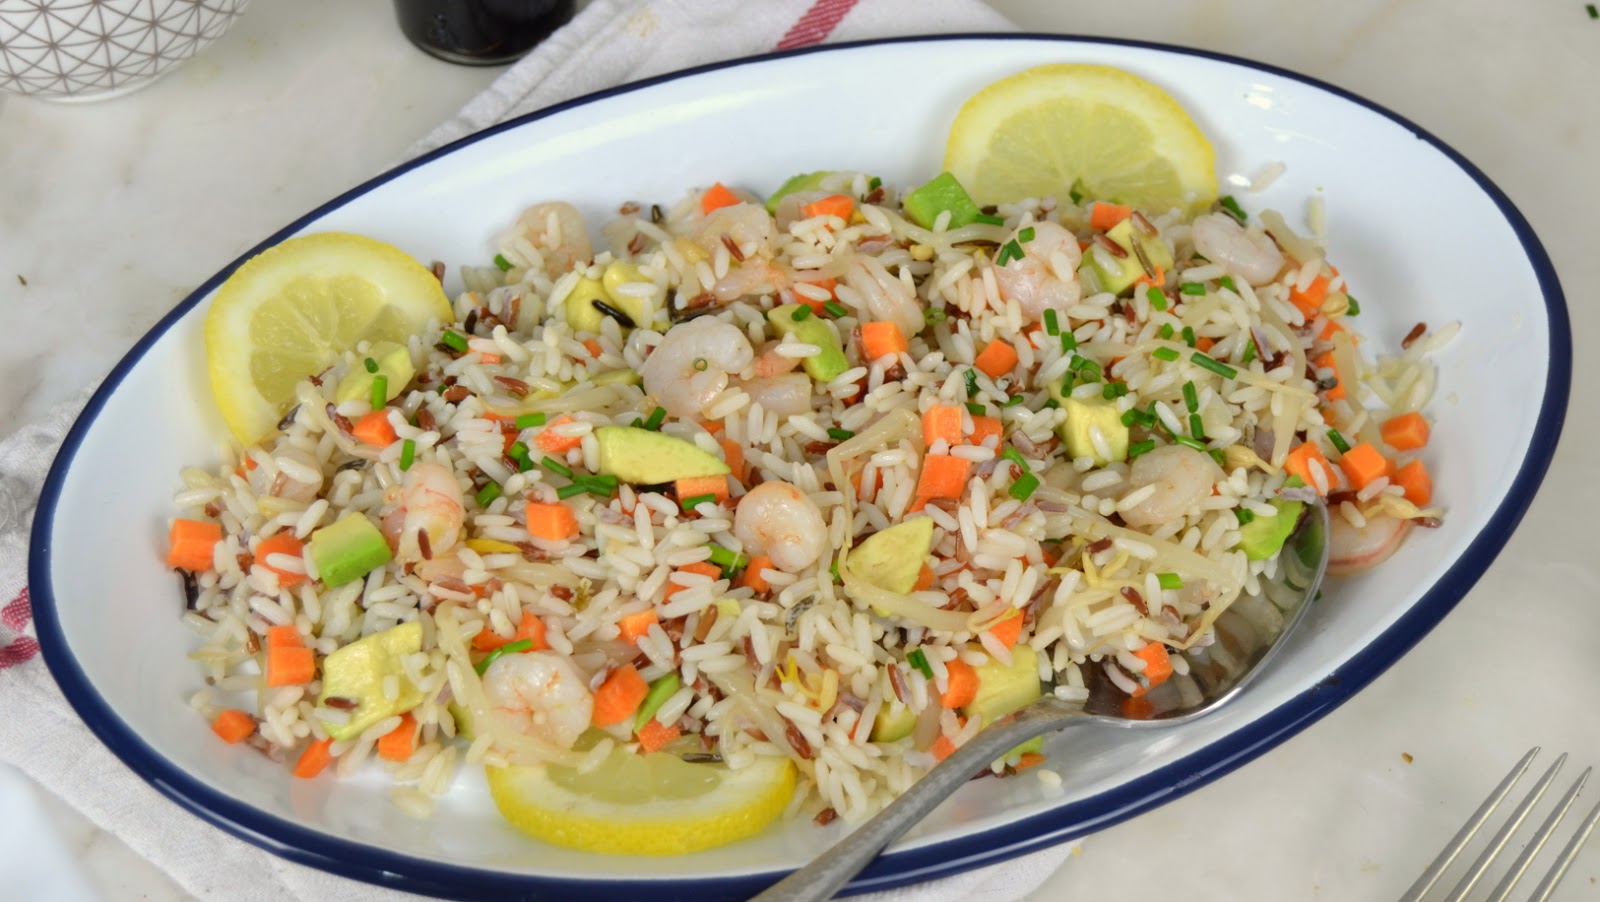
{"points": [[395, 870]]}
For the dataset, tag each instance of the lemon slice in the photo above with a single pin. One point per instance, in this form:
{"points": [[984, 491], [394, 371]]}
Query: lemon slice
{"points": [[1112, 135], [291, 310], [643, 804]]}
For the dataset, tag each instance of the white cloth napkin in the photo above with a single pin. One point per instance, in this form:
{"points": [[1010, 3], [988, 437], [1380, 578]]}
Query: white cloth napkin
{"points": [[610, 42]]}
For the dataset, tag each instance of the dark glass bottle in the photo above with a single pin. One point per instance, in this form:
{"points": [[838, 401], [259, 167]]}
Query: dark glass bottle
{"points": [[480, 32]]}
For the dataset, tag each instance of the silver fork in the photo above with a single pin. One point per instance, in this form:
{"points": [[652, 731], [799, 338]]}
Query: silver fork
{"points": [[1497, 844]]}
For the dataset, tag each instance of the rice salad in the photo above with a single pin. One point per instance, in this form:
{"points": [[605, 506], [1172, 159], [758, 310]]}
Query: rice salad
{"points": [[628, 498]]}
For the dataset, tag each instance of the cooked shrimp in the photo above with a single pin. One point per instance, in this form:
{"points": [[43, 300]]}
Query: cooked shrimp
{"points": [[1247, 253], [690, 366], [1352, 548], [428, 500], [770, 363], [747, 225], [550, 235], [887, 297], [1033, 282], [778, 520], [540, 694], [1182, 478], [787, 395]]}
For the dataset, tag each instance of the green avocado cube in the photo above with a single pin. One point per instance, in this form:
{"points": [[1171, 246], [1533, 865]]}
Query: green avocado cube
{"points": [[892, 558], [356, 673], [1262, 537], [1118, 274], [943, 193], [1084, 415], [893, 722], [348, 549], [805, 181], [812, 330], [393, 364], [1003, 689], [643, 457]]}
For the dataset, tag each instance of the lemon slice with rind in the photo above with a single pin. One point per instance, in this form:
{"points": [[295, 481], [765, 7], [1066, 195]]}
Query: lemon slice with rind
{"points": [[1100, 130], [291, 310], [634, 804]]}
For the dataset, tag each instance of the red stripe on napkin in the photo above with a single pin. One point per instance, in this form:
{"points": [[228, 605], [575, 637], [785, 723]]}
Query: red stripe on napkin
{"points": [[15, 615], [817, 23]]}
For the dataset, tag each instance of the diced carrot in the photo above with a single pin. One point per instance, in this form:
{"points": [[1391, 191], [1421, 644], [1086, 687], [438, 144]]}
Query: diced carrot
{"points": [[1160, 281], [1301, 462], [1009, 630], [961, 684], [942, 421], [233, 725], [530, 628], [840, 205], [1310, 300], [619, 696], [704, 568], [713, 427], [313, 759], [375, 429], [1362, 464], [996, 359], [717, 197], [1104, 216], [285, 636], [634, 625], [1418, 485], [654, 735], [733, 456], [943, 476], [290, 665], [1204, 344], [1325, 361], [752, 578], [1330, 327], [818, 307], [552, 443], [1406, 432], [924, 579], [400, 742], [1137, 707], [882, 339], [982, 428], [1157, 666], [193, 542], [282, 543], [942, 748], [696, 486], [553, 522], [593, 347], [1029, 759]]}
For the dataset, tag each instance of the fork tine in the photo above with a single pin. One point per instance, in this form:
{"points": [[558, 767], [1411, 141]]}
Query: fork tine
{"points": [[1548, 884], [1537, 842], [1518, 815], [1465, 834]]}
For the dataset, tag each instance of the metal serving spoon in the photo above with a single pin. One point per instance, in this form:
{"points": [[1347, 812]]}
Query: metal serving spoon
{"points": [[1247, 635]]}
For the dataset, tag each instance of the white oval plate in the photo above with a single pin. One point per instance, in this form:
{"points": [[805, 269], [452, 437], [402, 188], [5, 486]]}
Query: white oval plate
{"points": [[1419, 233]]}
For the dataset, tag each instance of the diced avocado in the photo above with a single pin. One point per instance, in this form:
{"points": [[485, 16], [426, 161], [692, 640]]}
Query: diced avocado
{"points": [[1083, 415], [616, 377], [1262, 537], [348, 549], [582, 314], [643, 457], [662, 689], [812, 330], [892, 558], [1034, 746], [1125, 271], [893, 722], [394, 365], [356, 673], [728, 607], [463, 719], [619, 273], [943, 193], [805, 181], [1003, 689]]}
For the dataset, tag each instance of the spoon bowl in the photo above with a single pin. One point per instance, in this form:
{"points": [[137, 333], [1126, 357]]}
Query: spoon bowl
{"points": [[1246, 637]]}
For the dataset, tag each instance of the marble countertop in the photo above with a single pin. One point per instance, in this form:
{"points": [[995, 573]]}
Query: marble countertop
{"points": [[111, 213]]}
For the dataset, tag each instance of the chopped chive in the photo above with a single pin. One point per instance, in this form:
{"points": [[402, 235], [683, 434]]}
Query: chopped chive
{"points": [[801, 312], [1232, 206], [1133, 416], [1156, 298], [1205, 362], [833, 569], [1188, 336], [934, 317], [1024, 487], [1025, 235], [975, 408], [1050, 404], [694, 501], [1227, 282], [567, 491], [1074, 194], [1069, 342], [380, 391], [874, 183], [727, 560], [1015, 456], [556, 467], [501, 262], [700, 364], [1244, 515], [1166, 331], [1138, 448], [1355, 306], [529, 420], [658, 415], [408, 454], [1249, 352], [1166, 354], [519, 453], [454, 341], [1011, 250], [1191, 398], [1169, 580], [1109, 390], [1012, 401], [1188, 442], [835, 309], [510, 648], [989, 220], [370, 364], [600, 486], [920, 661], [1338, 441], [1196, 427], [1592, 10], [1192, 288], [1051, 326], [487, 494], [971, 377], [838, 434], [1066, 384]]}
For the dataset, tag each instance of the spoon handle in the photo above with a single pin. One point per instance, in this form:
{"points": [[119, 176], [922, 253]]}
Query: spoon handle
{"points": [[833, 869]]}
